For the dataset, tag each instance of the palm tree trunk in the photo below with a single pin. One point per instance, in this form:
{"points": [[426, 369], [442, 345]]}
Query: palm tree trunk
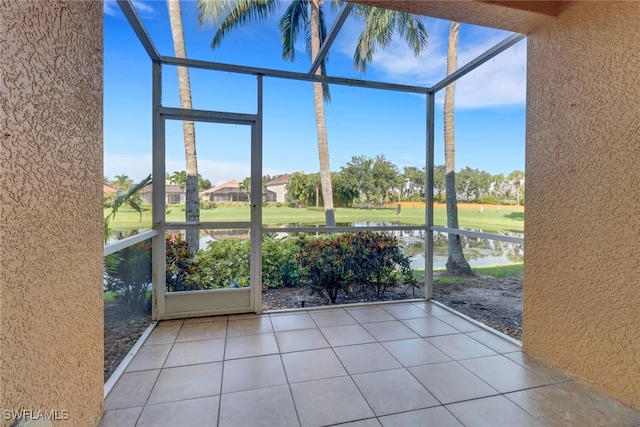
{"points": [[323, 144], [192, 211], [456, 262]]}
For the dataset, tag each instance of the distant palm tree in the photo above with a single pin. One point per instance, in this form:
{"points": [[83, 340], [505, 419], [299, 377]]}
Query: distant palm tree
{"points": [[308, 16], [456, 262], [517, 178], [121, 182], [192, 198]]}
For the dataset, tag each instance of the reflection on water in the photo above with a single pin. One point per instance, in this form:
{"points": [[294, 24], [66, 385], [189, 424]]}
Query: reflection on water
{"points": [[478, 252]]}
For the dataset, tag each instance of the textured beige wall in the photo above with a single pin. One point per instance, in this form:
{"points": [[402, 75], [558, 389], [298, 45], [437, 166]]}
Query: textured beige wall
{"points": [[582, 272], [51, 314]]}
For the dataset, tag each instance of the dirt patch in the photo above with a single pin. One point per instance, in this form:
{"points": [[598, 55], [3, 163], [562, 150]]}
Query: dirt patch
{"points": [[495, 302], [121, 331]]}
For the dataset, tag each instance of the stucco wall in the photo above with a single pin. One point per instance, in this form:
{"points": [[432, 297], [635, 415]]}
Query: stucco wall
{"points": [[51, 314], [582, 271]]}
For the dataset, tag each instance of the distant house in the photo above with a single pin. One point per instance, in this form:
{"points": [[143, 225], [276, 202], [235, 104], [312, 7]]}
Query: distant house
{"points": [[226, 192], [277, 189], [108, 192], [173, 194]]}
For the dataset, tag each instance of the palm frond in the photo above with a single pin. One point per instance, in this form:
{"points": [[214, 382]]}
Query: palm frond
{"points": [[295, 17], [380, 25], [227, 15], [125, 199]]}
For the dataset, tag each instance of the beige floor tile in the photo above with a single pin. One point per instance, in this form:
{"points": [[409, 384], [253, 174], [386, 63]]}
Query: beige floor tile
{"points": [[404, 311], [369, 422], [250, 346], [450, 382], [329, 401], [193, 412], [307, 339], [429, 327], [459, 323], [552, 376], [121, 417], [340, 317], [202, 331], [495, 411], [266, 407], [432, 309], [415, 352], [174, 322], [187, 382], [164, 334], [252, 373], [292, 322], [494, 342], [249, 326], [132, 389], [574, 404], [222, 318], [194, 352], [312, 365], [389, 331], [504, 374], [460, 346], [389, 392], [370, 314], [149, 357], [430, 417], [361, 358], [346, 335]]}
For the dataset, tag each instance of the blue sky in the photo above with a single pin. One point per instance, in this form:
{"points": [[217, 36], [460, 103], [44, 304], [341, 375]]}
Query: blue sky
{"points": [[490, 101]]}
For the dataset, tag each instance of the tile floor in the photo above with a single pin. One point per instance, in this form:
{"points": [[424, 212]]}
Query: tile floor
{"points": [[401, 364]]}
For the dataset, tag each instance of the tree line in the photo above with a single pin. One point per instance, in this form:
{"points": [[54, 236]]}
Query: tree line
{"points": [[376, 180]]}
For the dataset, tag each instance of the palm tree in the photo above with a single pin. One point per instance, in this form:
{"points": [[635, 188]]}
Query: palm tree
{"points": [[245, 187], [122, 182], [456, 262], [308, 15], [192, 199], [517, 178]]}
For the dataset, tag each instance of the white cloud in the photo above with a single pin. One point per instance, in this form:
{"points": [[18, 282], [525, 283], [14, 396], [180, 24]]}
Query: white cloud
{"points": [[111, 8], [499, 82]]}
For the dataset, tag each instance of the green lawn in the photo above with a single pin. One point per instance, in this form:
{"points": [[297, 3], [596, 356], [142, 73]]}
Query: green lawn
{"points": [[508, 218]]}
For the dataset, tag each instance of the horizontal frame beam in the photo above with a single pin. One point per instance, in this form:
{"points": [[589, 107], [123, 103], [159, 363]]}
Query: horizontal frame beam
{"points": [[280, 74], [118, 245], [207, 116]]}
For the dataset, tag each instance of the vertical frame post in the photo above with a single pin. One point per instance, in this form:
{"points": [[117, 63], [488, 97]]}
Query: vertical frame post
{"points": [[428, 244], [256, 204], [158, 252]]}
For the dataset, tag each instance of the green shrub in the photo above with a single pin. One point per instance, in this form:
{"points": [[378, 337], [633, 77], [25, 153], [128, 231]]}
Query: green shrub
{"points": [[279, 266], [128, 275], [223, 262], [365, 261], [489, 200], [180, 266], [324, 265], [379, 262]]}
